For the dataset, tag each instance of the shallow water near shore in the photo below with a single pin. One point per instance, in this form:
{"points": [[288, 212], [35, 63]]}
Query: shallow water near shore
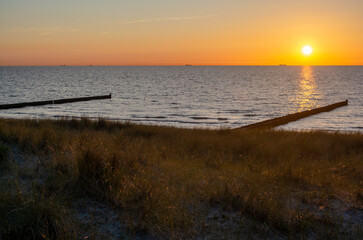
{"points": [[184, 96]]}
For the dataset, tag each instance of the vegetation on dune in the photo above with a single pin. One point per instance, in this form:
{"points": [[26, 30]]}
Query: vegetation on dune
{"points": [[33, 216], [4, 151], [163, 179]]}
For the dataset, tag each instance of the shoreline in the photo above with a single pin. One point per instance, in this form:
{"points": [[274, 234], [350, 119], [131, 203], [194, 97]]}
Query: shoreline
{"points": [[171, 124]]}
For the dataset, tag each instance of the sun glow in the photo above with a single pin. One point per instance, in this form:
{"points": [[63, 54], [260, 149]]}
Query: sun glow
{"points": [[307, 50]]}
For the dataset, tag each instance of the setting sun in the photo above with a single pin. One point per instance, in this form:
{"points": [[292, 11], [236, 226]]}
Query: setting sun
{"points": [[307, 50]]}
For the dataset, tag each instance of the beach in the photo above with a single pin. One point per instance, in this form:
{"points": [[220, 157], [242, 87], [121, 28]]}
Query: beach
{"points": [[99, 179], [195, 120]]}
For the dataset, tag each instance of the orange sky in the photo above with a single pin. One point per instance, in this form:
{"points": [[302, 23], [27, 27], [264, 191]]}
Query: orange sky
{"points": [[199, 32]]}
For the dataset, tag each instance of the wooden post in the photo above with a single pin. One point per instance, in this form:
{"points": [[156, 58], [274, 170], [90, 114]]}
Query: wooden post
{"points": [[293, 117], [59, 101]]}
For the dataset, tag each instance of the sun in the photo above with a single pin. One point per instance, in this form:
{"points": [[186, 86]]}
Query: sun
{"points": [[307, 50]]}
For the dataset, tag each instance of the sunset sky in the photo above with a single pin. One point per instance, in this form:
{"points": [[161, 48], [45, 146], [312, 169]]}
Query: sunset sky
{"points": [[179, 32]]}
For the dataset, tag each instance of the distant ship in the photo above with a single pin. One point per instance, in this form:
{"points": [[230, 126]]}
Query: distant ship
{"points": [[282, 64], [188, 65]]}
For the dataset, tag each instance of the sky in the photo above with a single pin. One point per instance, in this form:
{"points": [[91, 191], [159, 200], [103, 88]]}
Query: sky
{"points": [[179, 32]]}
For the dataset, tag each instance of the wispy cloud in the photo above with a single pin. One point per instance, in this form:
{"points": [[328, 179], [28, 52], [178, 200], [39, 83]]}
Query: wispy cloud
{"points": [[44, 31], [169, 19]]}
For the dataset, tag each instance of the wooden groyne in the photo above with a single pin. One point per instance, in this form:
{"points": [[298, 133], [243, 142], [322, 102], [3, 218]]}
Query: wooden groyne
{"points": [[58, 101], [293, 117]]}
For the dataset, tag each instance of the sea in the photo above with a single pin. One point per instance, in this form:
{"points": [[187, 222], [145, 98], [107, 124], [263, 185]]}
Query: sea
{"points": [[210, 97]]}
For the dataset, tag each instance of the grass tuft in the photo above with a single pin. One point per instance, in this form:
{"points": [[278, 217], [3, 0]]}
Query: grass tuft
{"points": [[4, 153], [33, 217]]}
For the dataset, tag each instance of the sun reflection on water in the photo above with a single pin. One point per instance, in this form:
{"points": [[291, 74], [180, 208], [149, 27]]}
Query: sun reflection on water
{"points": [[308, 94]]}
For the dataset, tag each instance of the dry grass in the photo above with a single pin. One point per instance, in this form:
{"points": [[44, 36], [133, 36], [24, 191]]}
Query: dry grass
{"points": [[4, 152], [33, 216], [162, 177]]}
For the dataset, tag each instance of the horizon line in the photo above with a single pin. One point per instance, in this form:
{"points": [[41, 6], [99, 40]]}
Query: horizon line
{"points": [[181, 65]]}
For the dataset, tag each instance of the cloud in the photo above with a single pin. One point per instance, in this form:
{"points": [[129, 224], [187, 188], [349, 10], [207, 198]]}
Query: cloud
{"points": [[170, 19], [44, 31]]}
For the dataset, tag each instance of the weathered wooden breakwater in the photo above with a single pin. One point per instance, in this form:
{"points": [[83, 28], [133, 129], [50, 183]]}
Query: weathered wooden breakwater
{"points": [[293, 117], [58, 101]]}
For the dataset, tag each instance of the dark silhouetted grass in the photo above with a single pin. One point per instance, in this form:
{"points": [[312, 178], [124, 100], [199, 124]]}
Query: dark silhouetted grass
{"points": [[4, 154], [33, 217]]}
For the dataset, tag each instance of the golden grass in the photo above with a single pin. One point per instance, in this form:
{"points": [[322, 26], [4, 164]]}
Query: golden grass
{"points": [[162, 177]]}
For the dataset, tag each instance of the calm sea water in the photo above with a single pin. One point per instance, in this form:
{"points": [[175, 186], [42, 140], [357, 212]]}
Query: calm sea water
{"points": [[197, 96]]}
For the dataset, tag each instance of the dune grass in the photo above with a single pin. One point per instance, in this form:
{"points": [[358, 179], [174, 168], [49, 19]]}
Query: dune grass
{"points": [[4, 152], [33, 216], [166, 179]]}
